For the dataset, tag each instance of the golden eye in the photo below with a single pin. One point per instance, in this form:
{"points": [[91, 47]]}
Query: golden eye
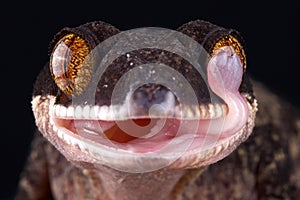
{"points": [[69, 64]]}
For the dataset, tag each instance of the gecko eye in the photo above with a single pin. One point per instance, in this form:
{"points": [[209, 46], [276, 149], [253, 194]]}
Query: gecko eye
{"points": [[69, 64]]}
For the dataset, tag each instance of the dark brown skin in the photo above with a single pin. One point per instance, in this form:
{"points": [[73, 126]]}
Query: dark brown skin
{"points": [[263, 167]]}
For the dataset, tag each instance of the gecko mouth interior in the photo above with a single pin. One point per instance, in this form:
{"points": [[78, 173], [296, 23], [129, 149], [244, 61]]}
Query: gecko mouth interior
{"points": [[142, 135], [137, 135]]}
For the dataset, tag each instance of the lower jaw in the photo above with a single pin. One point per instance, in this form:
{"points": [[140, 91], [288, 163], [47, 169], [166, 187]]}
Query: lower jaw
{"points": [[145, 155]]}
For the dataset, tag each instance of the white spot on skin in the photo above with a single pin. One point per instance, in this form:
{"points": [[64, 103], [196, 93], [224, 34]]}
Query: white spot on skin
{"points": [[80, 145], [152, 71], [59, 134], [218, 149], [54, 127]]}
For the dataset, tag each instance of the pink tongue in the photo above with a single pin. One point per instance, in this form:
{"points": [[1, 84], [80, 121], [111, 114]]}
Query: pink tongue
{"points": [[224, 73]]}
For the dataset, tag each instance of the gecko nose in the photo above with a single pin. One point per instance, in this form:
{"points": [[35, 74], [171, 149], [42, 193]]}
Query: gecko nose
{"points": [[150, 95]]}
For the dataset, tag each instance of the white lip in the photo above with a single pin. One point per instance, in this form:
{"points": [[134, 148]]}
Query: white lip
{"points": [[126, 159], [82, 149]]}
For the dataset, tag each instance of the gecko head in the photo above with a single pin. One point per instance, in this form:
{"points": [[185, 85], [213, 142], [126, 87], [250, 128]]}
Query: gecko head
{"points": [[146, 99]]}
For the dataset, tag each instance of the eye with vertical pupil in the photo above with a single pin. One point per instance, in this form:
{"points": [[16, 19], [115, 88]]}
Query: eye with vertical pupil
{"points": [[69, 64]]}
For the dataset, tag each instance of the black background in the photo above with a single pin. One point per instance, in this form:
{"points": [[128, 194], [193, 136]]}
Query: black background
{"points": [[271, 32]]}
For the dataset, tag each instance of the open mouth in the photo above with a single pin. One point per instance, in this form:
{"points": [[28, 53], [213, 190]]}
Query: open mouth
{"points": [[147, 135]]}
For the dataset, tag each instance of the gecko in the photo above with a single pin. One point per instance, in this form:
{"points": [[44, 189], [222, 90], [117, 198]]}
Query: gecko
{"points": [[155, 113]]}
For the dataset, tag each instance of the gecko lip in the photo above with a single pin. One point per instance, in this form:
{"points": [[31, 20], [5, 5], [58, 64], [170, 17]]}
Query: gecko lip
{"points": [[81, 149], [148, 153]]}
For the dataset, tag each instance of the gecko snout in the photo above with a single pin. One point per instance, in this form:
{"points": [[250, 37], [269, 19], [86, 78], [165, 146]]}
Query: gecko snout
{"points": [[152, 97]]}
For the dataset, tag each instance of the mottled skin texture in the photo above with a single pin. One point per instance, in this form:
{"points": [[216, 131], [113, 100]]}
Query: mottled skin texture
{"points": [[266, 165], [263, 167]]}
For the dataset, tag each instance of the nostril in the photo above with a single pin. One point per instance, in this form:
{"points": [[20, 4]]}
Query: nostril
{"points": [[150, 93], [144, 97]]}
